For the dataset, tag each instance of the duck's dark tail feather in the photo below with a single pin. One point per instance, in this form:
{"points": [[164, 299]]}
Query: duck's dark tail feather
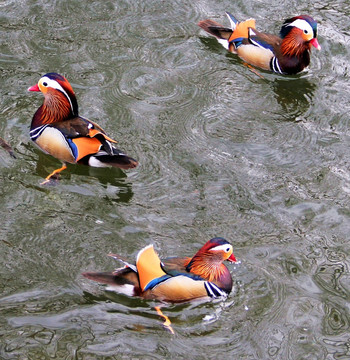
{"points": [[214, 28], [120, 277], [101, 277], [117, 159], [121, 161], [104, 278]]}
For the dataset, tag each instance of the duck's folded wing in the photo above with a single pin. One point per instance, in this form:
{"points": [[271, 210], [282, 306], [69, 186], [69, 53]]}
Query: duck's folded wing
{"points": [[175, 265], [84, 137], [262, 40], [80, 127]]}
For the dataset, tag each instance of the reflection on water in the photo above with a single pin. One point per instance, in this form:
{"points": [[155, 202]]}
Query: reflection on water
{"points": [[223, 152], [294, 96]]}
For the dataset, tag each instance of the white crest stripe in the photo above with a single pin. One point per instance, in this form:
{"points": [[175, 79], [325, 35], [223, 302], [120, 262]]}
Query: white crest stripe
{"points": [[302, 25], [55, 85]]}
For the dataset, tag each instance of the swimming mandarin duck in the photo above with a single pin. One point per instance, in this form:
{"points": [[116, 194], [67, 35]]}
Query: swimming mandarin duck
{"points": [[59, 131], [286, 54], [174, 279]]}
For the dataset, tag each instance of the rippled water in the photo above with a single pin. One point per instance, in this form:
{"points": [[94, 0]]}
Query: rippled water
{"points": [[223, 152]]}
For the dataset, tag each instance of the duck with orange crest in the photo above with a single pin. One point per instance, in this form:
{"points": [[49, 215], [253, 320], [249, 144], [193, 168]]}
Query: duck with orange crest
{"points": [[175, 279], [59, 131], [286, 54]]}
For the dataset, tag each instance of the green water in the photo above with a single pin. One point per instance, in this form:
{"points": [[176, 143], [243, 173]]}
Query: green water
{"points": [[223, 152]]}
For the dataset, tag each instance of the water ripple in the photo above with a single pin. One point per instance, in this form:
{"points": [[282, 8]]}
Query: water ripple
{"points": [[260, 161]]}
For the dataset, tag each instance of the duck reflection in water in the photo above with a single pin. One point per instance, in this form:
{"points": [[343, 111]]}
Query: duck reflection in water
{"points": [[294, 95]]}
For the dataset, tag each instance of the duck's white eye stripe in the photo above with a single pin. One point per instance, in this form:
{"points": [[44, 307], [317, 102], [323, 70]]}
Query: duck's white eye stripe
{"points": [[225, 247], [302, 25], [55, 85]]}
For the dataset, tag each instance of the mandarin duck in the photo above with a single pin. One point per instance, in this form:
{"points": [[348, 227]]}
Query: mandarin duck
{"points": [[286, 54], [174, 279], [59, 131]]}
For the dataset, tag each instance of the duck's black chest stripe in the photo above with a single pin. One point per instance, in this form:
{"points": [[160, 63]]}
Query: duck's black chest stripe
{"points": [[35, 133], [213, 290], [275, 66]]}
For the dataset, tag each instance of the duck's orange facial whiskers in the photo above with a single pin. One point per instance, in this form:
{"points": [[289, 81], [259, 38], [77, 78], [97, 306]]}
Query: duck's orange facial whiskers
{"points": [[46, 85], [56, 106], [293, 44]]}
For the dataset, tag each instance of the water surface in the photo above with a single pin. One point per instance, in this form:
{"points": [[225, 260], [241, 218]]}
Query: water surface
{"points": [[223, 152]]}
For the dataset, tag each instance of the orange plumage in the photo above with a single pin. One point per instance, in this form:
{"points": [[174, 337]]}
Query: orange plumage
{"points": [[242, 29]]}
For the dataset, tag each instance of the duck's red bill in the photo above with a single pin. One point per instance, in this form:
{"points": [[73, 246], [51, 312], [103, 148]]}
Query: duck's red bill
{"points": [[232, 258], [34, 88], [315, 43]]}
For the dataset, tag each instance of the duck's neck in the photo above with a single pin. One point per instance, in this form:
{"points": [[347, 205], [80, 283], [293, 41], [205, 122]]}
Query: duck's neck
{"points": [[54, 109], [207, 268], [293, 46]]}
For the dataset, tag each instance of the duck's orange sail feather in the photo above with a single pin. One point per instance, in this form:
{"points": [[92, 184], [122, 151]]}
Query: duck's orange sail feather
{"points": [[148, 266], [86, 146], [242, 28]]}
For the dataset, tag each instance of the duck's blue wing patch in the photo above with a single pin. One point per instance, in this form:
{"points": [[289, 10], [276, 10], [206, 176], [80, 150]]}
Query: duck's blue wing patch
{"points": [[156, 282], [73, 147]]}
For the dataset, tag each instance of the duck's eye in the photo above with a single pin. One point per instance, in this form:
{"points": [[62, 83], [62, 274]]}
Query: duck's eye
{"points": [[227, 249], [45, 83], [306, 31]]}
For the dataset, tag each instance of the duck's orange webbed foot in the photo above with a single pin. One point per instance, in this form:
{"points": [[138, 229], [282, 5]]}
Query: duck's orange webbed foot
{"points": [[54, 175], [167, 322], [252, 69]]}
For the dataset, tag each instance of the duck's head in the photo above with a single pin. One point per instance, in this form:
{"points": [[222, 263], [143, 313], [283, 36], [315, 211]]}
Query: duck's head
{"points": [[303, 28], [56, 89], [217, 249], [211, 255]]}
